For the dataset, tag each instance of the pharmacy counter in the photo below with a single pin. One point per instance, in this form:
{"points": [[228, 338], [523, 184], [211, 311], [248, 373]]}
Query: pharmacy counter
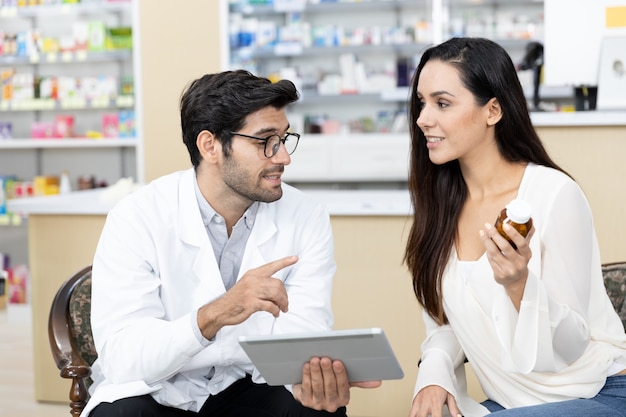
{"points": [[62, 235], [339, 202]]}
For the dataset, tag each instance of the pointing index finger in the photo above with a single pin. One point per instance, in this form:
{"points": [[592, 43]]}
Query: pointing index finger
{"points": [[271, 268]]}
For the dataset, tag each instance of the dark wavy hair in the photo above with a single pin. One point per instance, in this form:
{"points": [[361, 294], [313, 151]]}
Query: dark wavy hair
{"points": [[221, 102], [438, 192]]}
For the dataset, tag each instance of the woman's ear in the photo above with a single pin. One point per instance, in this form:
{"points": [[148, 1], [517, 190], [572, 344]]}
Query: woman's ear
{"points": [[494, 112], [208, 145]]}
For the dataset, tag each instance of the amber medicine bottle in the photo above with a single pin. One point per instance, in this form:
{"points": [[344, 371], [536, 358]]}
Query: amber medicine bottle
{"points": [[517, 215]]}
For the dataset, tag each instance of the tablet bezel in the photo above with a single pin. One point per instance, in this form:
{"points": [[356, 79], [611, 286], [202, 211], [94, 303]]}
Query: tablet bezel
{"points": [[366, 354]]}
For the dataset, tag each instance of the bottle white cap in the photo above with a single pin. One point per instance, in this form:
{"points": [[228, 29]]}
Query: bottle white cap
{"points": [[518, 211]]}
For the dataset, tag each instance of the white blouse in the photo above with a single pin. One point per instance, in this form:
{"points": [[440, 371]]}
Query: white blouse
{"points": [[565, 339]]}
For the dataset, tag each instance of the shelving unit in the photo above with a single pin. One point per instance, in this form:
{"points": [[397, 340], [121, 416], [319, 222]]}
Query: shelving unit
{"points": [[83, 154], [317, 42], [352, 63]]}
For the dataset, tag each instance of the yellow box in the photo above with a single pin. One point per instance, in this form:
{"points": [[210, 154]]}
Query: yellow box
{"points": [[616, 17], [46, 185]]}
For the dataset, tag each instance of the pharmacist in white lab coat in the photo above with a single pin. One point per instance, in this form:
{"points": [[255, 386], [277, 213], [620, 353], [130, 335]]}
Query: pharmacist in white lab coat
{"points": [[193, 260]]}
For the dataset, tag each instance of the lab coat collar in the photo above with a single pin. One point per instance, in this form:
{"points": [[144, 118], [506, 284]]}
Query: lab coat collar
{"points": [[190, 223]]}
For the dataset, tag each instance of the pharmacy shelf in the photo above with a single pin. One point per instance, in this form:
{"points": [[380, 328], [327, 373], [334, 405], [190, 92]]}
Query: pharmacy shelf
{"points": [[67, 57], [294, 49], [324, 7], [64, 9], [28, 143], [121, 102], [312, 41], [108, 158], [399, 94]]}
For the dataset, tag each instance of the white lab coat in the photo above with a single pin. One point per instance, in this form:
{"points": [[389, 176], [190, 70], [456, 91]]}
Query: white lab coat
{"points": [[154, 267]]}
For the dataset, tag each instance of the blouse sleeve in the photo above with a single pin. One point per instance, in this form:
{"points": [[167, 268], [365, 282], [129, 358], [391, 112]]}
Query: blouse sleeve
{"points": [[551, 330], [441, 355]]}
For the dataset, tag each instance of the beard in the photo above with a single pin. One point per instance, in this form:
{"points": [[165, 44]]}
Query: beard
{"points": [[248, 185]]}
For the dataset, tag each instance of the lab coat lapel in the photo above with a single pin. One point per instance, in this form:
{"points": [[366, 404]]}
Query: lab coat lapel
{"points": [[260, 249], [198, 246], [257, 250], [207, 272]]}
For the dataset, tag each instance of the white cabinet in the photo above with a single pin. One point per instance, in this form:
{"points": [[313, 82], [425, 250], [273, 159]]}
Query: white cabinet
{"points": [[352, 62], [70, 73]]}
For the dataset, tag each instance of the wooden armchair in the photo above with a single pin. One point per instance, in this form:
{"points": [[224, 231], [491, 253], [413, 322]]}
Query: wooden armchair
{"points": [[71, 341]]}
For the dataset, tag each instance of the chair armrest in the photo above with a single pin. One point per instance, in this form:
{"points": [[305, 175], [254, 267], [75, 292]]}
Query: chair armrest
{"points": [[65, 356]]}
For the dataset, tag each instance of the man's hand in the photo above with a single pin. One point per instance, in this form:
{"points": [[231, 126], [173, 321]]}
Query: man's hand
{"points": [[256, 291], [325, 385]]}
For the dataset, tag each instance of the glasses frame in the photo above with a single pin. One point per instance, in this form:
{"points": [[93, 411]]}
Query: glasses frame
{"points": [[267, 139]]}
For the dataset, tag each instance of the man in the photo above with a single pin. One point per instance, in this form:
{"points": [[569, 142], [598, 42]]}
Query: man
{"points": [[197, 258]]}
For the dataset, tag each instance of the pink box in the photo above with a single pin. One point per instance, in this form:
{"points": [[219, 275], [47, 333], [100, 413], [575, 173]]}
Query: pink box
{"points": [[18, 284], [64, 126], [110, 125], [42, 130]]}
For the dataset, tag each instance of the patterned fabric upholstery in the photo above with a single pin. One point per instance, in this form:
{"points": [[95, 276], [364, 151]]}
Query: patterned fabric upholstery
{"points": [[80, 321], [615, 282]]}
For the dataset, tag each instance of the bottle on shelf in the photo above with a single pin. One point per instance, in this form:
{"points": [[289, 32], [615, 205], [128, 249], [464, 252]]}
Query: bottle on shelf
{"points": [[65, 186]]}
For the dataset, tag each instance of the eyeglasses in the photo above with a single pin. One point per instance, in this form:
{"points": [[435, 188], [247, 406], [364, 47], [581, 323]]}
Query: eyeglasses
{"points": [[272, 143]]}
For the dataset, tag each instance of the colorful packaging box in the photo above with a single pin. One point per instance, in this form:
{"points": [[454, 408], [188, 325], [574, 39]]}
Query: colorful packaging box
{"points": [[6, 77], [6, 130], [110, 125], [126, 124], [3, 199], [64, 126], [18, 284], [97, 36], [42, 130]]}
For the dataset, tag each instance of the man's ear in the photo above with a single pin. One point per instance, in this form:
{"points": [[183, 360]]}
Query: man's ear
{"points": [[210, 148], [494, 112]]}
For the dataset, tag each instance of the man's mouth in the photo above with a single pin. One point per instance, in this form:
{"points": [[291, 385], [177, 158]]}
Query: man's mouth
{"points": [[274, 174]]}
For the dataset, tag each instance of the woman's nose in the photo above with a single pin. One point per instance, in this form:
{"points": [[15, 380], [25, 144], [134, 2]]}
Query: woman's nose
{"points": [[424, 119]]}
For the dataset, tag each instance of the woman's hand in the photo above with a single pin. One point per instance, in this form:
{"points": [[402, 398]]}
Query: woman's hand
{"points": [[430, 400], [510, 265], [325, 385]]}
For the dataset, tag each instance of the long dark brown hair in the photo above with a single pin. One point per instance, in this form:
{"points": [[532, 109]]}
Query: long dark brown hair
{"points": [[438, 192]]}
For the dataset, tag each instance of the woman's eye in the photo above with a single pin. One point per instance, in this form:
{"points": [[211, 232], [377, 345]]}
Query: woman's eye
{"points": [[442, 105]]}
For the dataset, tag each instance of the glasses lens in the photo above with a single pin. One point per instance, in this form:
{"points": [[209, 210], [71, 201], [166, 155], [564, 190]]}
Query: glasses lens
{"points": [[291, 141], [273, 144]]}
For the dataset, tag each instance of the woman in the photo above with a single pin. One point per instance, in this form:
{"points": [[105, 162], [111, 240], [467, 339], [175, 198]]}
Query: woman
{"points": [[534, 322]]}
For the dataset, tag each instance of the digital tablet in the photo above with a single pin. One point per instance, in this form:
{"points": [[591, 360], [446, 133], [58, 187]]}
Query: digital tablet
{"points": [[366, 354]]}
